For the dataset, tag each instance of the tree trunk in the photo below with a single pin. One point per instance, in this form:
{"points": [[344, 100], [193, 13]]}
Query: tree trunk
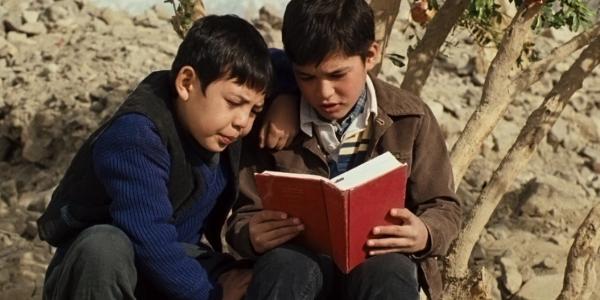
{"points": [[580, 273], [385, 12], [537, 126], [420, 60], [495, 98]]}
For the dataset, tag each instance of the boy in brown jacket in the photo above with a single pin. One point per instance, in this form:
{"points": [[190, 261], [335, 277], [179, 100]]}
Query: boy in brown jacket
{"points": [[347, 117]]}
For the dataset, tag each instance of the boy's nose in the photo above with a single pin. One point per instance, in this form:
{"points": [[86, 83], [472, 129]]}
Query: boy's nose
{"points": [[241, 120], [325, 89]]}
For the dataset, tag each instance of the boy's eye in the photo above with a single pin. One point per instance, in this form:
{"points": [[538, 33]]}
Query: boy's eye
{"points": [[337, 75], [305, 77], [233, 102]]}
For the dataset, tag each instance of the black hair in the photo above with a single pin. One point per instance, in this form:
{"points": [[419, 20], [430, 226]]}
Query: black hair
{"points": [[314, 29], [217, 46]]}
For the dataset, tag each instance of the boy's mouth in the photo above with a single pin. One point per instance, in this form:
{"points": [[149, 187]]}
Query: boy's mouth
{"points": [[330, 107], [226, 140]]}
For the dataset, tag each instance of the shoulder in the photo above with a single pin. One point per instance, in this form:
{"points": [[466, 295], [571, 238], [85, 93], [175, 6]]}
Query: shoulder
{"points": [[127, 131], [395, 101]]}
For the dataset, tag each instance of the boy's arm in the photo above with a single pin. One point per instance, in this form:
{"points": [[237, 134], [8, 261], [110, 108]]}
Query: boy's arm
{"points": [[250, 229], [431, 186], [133, 166], [432, 216], [281, 123]]}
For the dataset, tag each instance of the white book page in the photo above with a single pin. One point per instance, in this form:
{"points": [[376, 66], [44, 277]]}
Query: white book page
{"points": [[294, 175], [367, 171]]}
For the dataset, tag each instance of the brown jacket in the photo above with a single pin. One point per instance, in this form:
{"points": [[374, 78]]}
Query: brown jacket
{"points": [[406, 127]]}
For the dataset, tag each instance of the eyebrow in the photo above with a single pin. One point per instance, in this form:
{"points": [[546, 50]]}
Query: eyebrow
{"points": [[246, 100], [339, 70]]}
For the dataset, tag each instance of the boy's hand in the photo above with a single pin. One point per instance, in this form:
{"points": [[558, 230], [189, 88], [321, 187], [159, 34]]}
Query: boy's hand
{"points": [[281, 123], [269, 229], [234, 283], [409, 237]]}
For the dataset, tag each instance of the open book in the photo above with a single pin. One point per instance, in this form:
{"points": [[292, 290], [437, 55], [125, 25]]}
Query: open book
{"points": [[339, 213]]}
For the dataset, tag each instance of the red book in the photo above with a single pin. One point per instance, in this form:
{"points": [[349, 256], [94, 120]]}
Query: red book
{"points": [[339, 213]]}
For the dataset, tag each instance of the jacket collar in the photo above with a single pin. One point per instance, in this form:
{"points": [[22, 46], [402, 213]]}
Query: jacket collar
{"points": [[395, 102]]}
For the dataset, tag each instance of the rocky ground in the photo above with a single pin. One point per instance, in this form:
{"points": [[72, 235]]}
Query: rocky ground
{"points": [[66, 65]]}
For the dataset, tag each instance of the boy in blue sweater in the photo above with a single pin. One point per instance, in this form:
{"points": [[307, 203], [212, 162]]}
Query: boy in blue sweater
{"points": [[128, 215]]}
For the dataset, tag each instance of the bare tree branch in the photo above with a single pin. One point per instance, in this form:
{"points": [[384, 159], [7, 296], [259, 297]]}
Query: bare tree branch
{"points": [[420, 60], [534, 72], [580, 276], [494, 99], [385, 12], [537, 126]]}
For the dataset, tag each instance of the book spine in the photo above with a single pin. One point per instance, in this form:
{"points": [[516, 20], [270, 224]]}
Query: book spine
{"points": [[336, 203]]}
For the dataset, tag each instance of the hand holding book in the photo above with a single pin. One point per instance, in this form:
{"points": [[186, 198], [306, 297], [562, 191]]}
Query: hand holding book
{"points": [[269, 229], [409, 236], [338, 214]]}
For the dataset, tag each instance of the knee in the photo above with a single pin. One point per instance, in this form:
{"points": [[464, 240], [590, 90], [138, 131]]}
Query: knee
{"points": [[392, 267], [103, 246], [290, 259]]}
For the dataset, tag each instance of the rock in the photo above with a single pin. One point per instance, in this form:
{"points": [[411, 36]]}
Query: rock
{"points": [[30, 230], [561, 67], [61, 15], [163, 12], [30, 16], [36, 138], [49, 70], [591, 152], [19, 39], [7, 49], [586, 127], [39, 201], [113, 17], [8, 192], [478, 79], [60, 10], [538, 205], [505, 135], [559, 240], [499, 231], [527, 272], [99, 26], [511, 277], [558, 132], [148, 19], [13, 21], [437, 109], [595, 167], [561, 35], [33, 28], [267, 14], [541, 288]]}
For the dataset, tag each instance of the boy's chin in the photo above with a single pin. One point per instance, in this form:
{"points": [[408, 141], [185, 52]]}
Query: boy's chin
{"points": [[213, 145]]}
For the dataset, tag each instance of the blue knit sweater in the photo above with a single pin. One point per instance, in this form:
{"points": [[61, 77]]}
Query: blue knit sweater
{"points": [[133, 165]]}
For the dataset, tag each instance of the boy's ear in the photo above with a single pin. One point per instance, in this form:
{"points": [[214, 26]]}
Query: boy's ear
{"points": [[184, 82], [373, 56]]}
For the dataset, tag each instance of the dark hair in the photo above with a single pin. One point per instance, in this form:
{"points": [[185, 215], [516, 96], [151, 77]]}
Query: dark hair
{"points": [[313, 29], [218, 46]]}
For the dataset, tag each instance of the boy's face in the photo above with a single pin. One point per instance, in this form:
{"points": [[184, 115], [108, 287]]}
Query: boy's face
{"points": [[332, 88], [220, 115]]}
